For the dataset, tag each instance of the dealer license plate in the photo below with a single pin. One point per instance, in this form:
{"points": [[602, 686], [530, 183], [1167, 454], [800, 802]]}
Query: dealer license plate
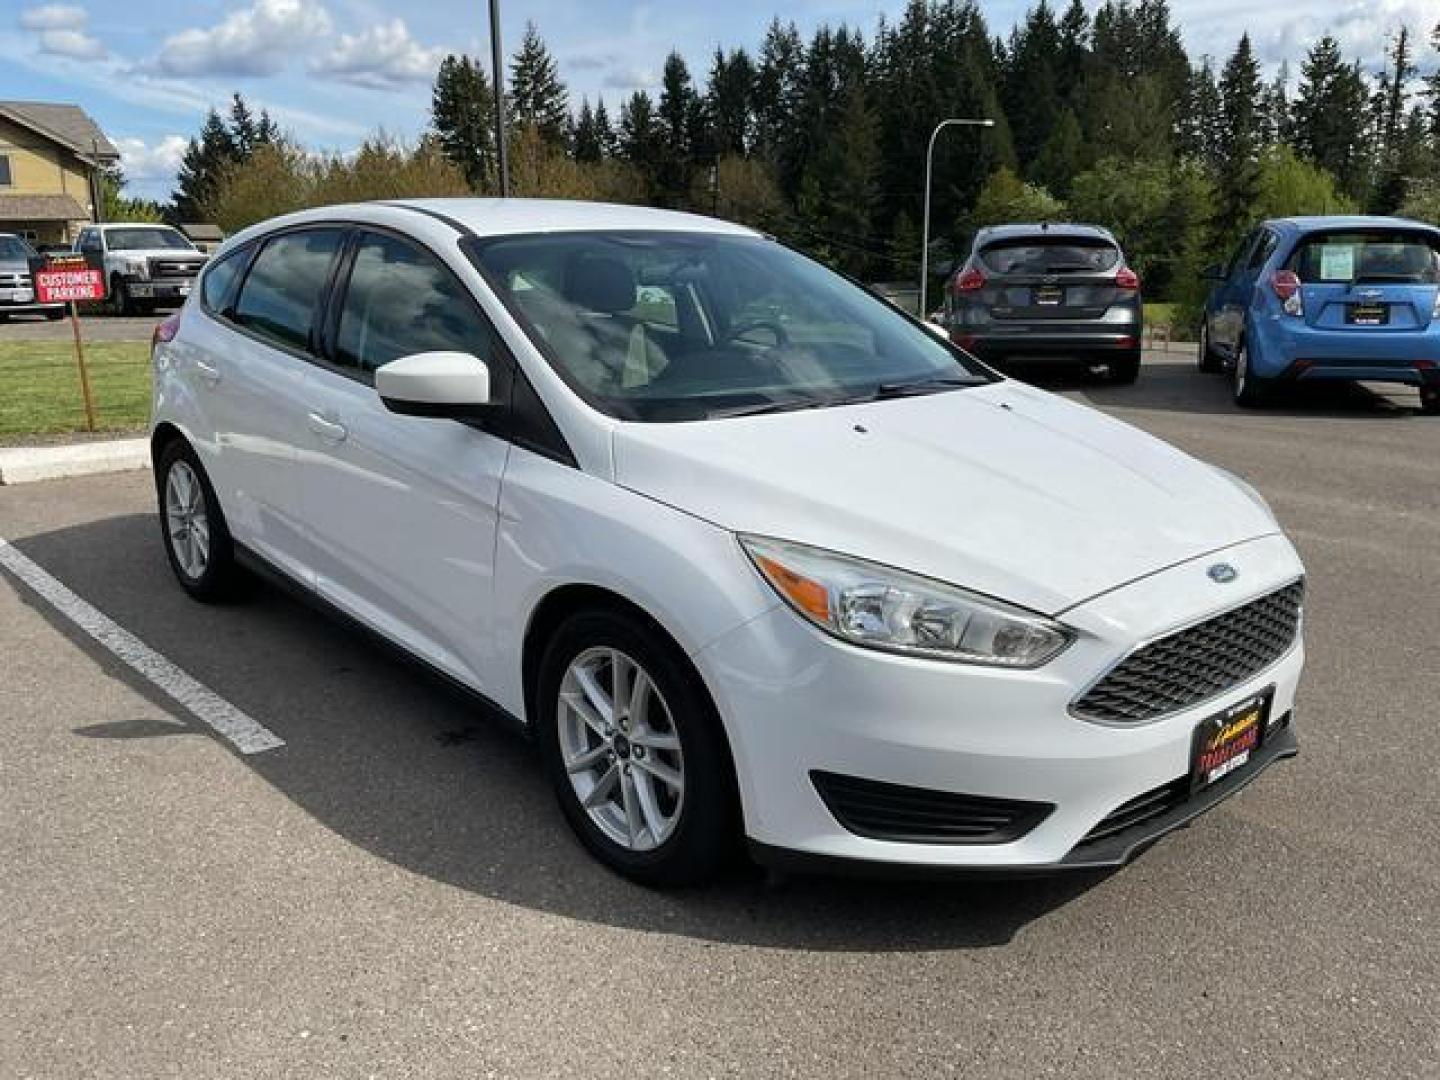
{"points": [[1048, 295], [1228, 740], [1367, 314]]}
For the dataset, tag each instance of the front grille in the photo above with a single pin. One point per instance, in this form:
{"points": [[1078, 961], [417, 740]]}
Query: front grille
{"points": [[174, 268], [1196, 664], [14, 281], [884, 811]]}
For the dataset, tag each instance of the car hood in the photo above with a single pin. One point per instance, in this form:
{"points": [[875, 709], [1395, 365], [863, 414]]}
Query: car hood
{"points": [[14, 266], [169, 254], [1002, 489]]}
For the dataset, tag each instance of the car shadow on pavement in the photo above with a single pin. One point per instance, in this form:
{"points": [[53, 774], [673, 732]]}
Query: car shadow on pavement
{"points": [[393, 761], [1170, 382]]}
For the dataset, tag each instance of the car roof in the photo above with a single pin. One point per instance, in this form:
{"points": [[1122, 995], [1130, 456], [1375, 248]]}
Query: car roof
{"points": [[1315, 223], [1043, 228], [511, 217]]}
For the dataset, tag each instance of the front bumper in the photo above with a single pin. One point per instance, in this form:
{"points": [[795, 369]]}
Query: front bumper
{"points": [[158, 288], [22, 299], [796, 701]]}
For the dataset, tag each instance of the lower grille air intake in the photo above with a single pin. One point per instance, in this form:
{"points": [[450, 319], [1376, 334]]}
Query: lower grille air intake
{"points": [[882, 811]]}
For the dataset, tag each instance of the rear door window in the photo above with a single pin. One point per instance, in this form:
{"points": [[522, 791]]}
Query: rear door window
{"points": [[1379, 257], [281, 295], [1050, 255]]}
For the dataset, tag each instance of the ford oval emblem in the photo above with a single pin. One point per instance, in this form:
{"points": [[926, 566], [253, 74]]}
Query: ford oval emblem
{"points": [[1222, 573]]}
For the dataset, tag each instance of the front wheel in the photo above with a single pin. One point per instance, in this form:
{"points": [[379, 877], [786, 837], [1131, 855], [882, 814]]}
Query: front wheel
{"points": [[197, 540], [634, 750], [54, 314]]}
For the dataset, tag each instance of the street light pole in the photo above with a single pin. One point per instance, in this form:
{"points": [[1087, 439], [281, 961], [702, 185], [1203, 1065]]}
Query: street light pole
{"points": [[497, 62], [925, 228]]}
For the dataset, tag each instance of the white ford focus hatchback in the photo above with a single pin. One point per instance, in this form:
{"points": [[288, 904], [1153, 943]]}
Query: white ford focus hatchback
{"points": [[747, 550]]}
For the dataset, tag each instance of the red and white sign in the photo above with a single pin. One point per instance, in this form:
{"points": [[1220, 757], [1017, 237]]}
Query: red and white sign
{"points": [[64, 284]]}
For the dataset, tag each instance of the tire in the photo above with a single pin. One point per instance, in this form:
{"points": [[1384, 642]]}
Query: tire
{"points": [[192, 526], [1430, 400], [663, 835], [1125, 369], [1250, 390], [121, 303], [1209, 361]]}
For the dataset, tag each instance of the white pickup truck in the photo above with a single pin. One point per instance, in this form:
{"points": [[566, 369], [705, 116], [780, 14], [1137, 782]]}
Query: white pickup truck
{"points": [[145, 266]]}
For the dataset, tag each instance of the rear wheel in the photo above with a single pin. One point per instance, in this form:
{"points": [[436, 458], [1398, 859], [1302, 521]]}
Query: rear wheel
{"points": [[634, 750], [197, 540], [1430, 400], [1125, 369], [1250, 390], [1209, 361]]}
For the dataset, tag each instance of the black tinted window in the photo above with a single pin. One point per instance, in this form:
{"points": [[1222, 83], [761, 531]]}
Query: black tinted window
{"points": [[401, 301], [1056, 255], [218, 287], [282, 290], [5, 179], [13, 248], [1382, 255]]}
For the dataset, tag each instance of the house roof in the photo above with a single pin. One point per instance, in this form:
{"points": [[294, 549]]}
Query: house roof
{"points": [[68, 125], [202, 230], [41, 208]]}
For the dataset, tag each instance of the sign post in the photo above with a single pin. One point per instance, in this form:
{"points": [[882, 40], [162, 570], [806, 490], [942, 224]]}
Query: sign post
{"points": [[68, 279]]}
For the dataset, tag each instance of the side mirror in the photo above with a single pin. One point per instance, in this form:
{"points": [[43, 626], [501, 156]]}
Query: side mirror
{"points": [[445, 385], [1214, 272]]}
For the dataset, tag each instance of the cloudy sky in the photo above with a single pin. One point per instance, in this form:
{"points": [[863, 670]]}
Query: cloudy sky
{"points": [[332, 71]]}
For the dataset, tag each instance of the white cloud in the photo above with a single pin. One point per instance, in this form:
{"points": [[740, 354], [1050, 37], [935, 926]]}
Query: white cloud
{"points": [[54, 17], [257, 40], [381, 56], [60, 31], [144, 161], [631, 79]]}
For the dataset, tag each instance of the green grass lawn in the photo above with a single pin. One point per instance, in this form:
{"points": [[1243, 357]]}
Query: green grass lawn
{"points": [[40, 387], [1160, 314]]}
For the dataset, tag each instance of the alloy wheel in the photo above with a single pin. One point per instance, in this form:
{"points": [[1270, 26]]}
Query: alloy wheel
{"points": [[620, 749], [187, 523]]}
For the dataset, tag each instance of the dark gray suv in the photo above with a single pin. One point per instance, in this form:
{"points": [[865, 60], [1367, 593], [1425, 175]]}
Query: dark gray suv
{"points": [[1049, 290]]}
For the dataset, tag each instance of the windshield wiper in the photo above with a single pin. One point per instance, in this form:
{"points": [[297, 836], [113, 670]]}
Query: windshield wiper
{"points": [[936, 385], [789, 405]]}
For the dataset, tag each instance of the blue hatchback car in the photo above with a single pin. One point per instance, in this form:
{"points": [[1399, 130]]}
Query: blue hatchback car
{"points": [[1327, 298]]}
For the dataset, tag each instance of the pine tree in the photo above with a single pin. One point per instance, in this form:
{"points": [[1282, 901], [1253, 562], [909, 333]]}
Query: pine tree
{"points": [[1275, 108], [1074, 51], [1239, 151], [728, 100], [1197, 132], [205, 158], [678, 116], [1032, 90], [1062, 158], [1328, 116], [244, 131], [609, 144], [585, 143], [462, 113], [639, 138], [778, 79], [538, 98], [1396, 154]]}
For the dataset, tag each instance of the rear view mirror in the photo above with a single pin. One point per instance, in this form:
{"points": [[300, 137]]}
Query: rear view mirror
{"points": [[446, 385]]}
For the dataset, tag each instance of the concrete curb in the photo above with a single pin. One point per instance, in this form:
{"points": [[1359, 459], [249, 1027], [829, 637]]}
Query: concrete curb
{"points": [[25, 464]]}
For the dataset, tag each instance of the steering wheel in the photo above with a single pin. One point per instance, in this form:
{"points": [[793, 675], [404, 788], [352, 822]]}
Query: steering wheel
{"points": [[782, 338]]}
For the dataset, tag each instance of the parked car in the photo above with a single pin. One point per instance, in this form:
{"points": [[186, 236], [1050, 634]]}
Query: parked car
{"points": [[1051, 290], [17, 286], [748, 550], [146, 266], [1303, 299]]}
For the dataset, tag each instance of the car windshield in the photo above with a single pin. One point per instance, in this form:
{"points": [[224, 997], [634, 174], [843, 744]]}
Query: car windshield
{"points": [[658, 326], [1375, 256], [150, 239], [14, 249], [1050, 255]]}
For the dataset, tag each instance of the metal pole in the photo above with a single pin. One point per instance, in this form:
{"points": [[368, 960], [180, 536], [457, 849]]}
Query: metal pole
{"points": [[497, 62], [925, 227]]}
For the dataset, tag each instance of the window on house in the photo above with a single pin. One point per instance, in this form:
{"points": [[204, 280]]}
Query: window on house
{"points": [[5, 180]]}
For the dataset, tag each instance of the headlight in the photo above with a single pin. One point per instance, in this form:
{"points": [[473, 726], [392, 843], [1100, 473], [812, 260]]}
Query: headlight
{"points": [[868, 604], [139, 267], [1249, 489]]}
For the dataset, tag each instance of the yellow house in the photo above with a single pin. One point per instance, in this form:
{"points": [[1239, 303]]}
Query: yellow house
{"points": [[49, 156]]}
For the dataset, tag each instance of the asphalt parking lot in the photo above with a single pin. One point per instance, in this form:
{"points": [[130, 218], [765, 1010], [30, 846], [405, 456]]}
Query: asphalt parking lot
{"points": [[392, 892]]}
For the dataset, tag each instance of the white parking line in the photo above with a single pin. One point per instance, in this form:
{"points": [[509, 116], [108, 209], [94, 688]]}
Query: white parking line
{"points": [[247, 735]]}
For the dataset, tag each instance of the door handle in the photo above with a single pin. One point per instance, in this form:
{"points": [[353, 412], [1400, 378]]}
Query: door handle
{"points": [[209, 372], [327, 429]]}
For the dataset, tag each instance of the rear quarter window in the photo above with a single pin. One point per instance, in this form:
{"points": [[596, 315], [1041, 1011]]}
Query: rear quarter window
{"points": [[1379, 256], [1042, 255], [217, 288]]}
